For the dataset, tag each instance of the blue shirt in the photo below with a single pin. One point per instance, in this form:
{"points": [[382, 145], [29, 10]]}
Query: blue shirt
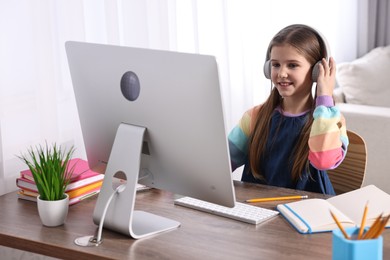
{"points": [[276, 162]]}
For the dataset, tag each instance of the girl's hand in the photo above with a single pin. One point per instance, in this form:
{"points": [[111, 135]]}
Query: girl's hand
{"points": [[326, 78]]}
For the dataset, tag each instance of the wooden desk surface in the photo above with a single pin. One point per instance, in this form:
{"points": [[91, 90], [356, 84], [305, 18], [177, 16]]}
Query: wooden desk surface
{"points": [[200, 236]]}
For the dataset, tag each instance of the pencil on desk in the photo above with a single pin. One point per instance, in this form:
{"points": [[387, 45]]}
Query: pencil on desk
{"points": [[277, 198], [363, 222], [339, 225]]}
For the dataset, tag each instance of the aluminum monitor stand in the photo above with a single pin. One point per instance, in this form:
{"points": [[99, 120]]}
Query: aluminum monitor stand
{"points": [[117, 212]]}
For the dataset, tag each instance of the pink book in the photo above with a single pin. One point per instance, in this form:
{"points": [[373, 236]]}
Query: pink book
{"points": [[81, 171], [81, 177], [27, 184]]}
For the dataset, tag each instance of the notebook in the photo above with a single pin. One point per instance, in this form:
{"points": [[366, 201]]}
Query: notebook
{"points": [[313, 215]]}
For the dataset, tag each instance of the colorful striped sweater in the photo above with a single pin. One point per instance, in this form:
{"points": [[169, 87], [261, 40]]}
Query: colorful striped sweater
{"points": [[328, 144]]}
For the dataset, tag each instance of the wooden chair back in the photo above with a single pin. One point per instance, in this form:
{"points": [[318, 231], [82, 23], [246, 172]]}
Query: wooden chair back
{"points": [[349, 174]]}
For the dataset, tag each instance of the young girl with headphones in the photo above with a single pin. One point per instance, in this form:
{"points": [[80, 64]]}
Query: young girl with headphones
{"points": [[293, 138]]}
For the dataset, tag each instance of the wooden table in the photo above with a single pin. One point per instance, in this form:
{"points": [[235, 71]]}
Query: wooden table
{"points": [[200, 236]]}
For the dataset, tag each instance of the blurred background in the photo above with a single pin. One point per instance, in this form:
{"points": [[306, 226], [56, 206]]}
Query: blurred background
{"points": [[36, 96]]}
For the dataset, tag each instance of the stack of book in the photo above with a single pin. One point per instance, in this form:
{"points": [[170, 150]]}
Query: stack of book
{"points": [[84, 183]]}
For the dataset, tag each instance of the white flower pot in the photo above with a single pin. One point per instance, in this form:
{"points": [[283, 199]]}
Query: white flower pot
{"points": [[53, 213]]}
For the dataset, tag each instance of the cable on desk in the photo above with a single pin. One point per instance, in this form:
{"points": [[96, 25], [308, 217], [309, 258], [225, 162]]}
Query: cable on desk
{"points": [[96, 240]]}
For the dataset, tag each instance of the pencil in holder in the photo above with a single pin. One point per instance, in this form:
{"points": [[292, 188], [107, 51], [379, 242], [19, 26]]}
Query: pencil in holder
{"points": [[353, 249]]}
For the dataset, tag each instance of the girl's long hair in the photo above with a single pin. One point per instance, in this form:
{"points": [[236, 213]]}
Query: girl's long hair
{"points": [[310, 44]]}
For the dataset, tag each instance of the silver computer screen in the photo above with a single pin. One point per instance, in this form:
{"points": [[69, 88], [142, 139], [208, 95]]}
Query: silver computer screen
{"points": [[175, 96]]}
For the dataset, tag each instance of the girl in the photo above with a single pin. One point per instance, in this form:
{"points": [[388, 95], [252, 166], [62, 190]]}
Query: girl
{"points": [[292, 138]]}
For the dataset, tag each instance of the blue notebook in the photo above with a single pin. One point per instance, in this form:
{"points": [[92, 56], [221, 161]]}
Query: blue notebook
{"points": [[313, 215]]}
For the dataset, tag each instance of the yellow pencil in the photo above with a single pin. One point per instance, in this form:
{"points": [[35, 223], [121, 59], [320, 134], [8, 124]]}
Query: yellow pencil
{"points": [[373, 228], [363, 221], [382, 227], [277, 198], [339, 225]]}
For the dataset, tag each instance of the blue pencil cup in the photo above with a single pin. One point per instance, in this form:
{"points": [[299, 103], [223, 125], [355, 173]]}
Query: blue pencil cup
{"points": [[346, 249]]}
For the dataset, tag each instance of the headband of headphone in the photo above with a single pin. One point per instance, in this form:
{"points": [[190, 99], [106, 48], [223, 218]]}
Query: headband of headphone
{"points": [[316, 68]]}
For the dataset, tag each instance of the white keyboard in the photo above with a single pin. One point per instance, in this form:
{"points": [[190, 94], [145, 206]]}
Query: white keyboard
{"points": [[242, 212]]}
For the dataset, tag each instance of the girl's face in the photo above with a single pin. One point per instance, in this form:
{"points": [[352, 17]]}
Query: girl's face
{"points": [[290, 72]]}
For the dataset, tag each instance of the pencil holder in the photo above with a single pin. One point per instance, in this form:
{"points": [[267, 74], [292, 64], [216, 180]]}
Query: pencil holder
{"points": [[350, 249]]}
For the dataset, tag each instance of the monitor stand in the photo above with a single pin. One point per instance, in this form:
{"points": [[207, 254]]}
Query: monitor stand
{"points": [[116, 207]]}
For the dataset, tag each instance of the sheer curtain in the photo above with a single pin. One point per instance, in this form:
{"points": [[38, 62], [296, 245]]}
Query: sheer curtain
{"points": [[36, 96], [374, 25]]}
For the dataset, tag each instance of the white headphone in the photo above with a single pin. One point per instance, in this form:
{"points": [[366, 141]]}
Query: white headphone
{"points": [[316, 68]]}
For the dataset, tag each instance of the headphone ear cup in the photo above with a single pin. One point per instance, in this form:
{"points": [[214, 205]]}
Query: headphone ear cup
{"points": [[316, 71], [267, 69]]}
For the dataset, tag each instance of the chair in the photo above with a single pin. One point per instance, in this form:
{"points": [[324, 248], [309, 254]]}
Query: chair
{"points": [[349, 174]]}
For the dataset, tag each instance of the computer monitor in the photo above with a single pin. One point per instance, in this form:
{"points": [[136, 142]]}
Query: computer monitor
{"points": [[155, 117]]}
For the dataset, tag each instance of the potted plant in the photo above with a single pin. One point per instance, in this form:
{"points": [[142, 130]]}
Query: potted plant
{"points": [[49, 168]]}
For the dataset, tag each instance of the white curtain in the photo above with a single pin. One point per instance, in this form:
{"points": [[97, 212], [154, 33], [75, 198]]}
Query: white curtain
{"points": [[36, 96]]}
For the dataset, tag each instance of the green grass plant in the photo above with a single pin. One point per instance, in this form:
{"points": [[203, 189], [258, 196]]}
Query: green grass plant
{"points": [[49, 167]]}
